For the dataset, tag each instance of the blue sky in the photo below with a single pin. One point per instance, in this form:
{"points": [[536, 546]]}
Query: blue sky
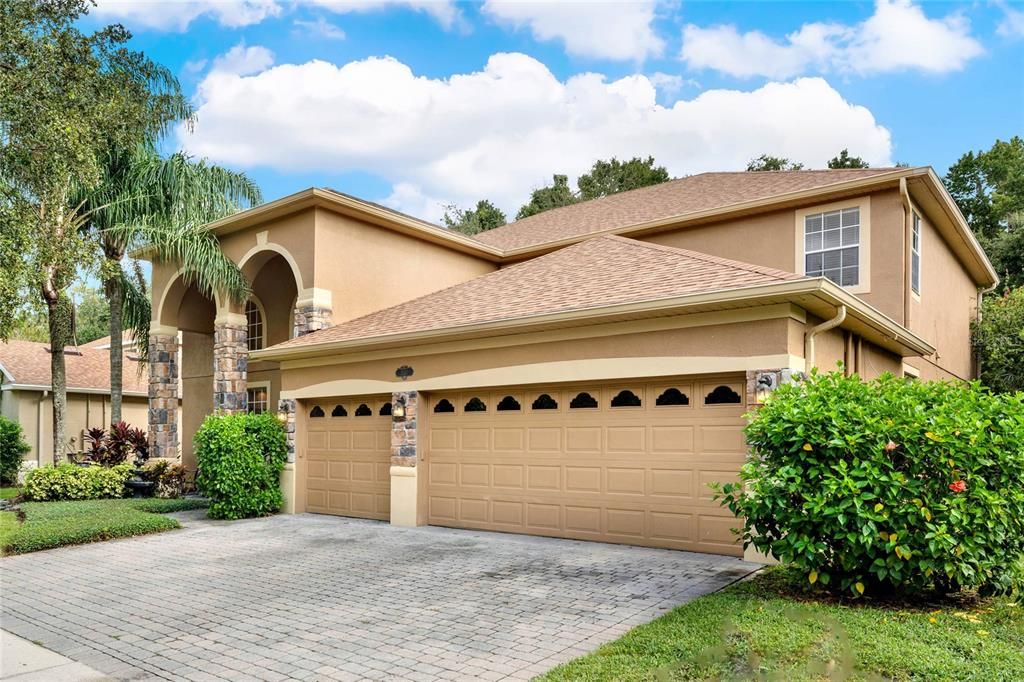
{"points": [[420, 103]]}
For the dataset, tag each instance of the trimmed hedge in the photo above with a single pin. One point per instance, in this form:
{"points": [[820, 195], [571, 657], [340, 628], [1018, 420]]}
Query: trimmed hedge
{"points": [[241, 457], [887, 484], [72, 482]]}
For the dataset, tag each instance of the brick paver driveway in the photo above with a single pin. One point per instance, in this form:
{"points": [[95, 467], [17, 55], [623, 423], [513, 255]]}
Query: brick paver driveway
{"points": [[322, 598]]}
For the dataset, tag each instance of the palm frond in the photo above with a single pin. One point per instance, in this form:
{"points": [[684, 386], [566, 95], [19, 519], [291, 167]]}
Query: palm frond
{"points": [[137, 310]]}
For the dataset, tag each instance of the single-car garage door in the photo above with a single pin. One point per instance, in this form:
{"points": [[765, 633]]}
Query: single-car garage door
{"points": [[348, 456], [627, 462]]}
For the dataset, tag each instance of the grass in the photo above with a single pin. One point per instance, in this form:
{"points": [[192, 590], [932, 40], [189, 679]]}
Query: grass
{"points": [[45, 525], [764, 629], [9, 493]]}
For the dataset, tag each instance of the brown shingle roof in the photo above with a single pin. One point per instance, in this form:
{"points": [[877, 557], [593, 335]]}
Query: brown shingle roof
{"points": [[87, 367], [696, 193], [595, 273]]}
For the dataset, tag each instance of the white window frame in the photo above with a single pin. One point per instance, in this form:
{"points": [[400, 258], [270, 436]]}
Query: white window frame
{"points": [[263, 323], [265, 385], [863, 204], [916, 233]]}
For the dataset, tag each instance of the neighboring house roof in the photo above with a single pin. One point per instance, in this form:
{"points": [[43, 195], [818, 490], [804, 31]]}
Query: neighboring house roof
{"points": [[593, 274], [693, 194], [26, 365]]}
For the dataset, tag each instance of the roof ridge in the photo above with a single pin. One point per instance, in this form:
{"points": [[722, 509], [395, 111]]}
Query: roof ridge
{"points": [[706, 257]]}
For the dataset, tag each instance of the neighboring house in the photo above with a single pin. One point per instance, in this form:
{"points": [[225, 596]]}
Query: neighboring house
{"points": [[26, 397], [581, 373]]}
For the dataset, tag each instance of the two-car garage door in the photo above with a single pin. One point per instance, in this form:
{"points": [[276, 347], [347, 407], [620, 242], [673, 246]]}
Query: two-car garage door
{"points": [[627, 462]]}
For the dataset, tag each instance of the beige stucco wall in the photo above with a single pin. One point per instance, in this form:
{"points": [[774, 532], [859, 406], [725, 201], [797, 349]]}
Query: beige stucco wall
{"points": [[857, 354], [949, 297], [944, 310], [196, 371], [34, 411], [368, 268]]}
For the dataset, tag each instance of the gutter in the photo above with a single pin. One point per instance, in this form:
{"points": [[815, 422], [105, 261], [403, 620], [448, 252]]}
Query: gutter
{"points": [[70, 389]]}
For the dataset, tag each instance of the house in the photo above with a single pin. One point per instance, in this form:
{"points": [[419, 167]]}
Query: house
{"points": [[581, 373], [25, 392]]}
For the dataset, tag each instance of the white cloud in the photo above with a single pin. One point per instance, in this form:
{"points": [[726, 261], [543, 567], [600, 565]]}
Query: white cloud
{"points": [[897, 37], [177, 15], [499, 132], [243, 61], [670, 83], [443, 11], [611, 30], [1012, 25], [320, 28]]}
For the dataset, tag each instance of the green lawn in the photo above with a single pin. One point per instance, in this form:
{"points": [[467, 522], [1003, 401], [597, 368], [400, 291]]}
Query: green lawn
{"points": [[9, 493], [762, 629], [55, 524]]}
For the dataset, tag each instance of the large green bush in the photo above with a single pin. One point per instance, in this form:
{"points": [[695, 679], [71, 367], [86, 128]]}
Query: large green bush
{"points": [[874, 486], [998, 339], [12, 447], [241, 457], [73, 482]]}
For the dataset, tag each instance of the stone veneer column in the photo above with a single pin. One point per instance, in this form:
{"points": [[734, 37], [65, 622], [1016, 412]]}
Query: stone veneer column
{"points": [[163, 392], [406, 500], [287, 407], [230, 363], [312, 311]]}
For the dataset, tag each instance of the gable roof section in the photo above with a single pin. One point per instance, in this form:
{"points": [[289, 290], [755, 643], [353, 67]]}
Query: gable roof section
{"points": [[593, 274], [692, 194], [26, 364]]}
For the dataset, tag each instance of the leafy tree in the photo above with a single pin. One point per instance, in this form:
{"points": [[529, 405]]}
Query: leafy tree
{"points": [[998, 339], [988, 186], [92, 314], [611, 177], [555, 195], [844, 160], [486, 216], [145, 200], [66, 98], [766, 162]]}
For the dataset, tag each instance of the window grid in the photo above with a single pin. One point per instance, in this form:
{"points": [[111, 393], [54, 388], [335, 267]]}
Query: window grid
{"points": [[253, 325], [915, 256], [832, 246], [257, 399]]}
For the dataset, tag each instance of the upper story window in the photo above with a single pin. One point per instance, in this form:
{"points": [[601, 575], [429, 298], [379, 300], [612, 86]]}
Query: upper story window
{"points": [[832, 245], [915, 255], [254, 324]]}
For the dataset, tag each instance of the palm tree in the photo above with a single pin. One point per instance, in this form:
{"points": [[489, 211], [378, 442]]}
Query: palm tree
{"points": [[160, 204]]}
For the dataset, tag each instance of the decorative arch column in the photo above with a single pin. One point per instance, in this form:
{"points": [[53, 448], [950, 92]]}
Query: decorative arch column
{"points": [[230, 360], [162, 427]]}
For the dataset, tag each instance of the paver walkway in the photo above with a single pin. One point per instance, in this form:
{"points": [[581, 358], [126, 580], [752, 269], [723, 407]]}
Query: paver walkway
{"points": [[311, 597]]}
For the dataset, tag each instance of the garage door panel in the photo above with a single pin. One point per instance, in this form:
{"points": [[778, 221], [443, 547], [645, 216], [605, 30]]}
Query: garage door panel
{"points": [[348, 460], [627, 473]]}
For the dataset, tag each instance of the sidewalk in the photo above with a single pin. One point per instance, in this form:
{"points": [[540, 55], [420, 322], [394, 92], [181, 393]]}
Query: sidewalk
{"points": [[23, 661]]}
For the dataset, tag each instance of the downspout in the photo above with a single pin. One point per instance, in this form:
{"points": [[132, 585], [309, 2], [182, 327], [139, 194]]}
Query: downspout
{"points": [[814, 331]]}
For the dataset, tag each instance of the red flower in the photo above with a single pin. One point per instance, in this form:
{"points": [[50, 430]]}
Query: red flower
{"points": [[958, 486], [890, 446]]}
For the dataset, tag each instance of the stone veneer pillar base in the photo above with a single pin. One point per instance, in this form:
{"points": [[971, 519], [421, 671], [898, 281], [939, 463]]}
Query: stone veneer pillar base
{"points": [[162, 419], [230, 365], [407, 498]]}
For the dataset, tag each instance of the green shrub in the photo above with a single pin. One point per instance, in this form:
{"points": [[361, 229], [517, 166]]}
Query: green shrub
{"points": [[72, 482], [872, 486], [241, 457], [12, 447]]}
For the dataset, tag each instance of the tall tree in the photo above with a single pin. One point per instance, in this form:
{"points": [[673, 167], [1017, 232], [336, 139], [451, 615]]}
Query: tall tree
{"points": [[614, 176], [988, 187], [767, 162], [844, 160], [66, 98], [486, 216], [556, 195], [92, 313], [142, 199]]}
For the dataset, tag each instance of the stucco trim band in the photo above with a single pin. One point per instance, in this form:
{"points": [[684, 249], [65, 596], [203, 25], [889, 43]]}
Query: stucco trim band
{"points": [[595, 369]]}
